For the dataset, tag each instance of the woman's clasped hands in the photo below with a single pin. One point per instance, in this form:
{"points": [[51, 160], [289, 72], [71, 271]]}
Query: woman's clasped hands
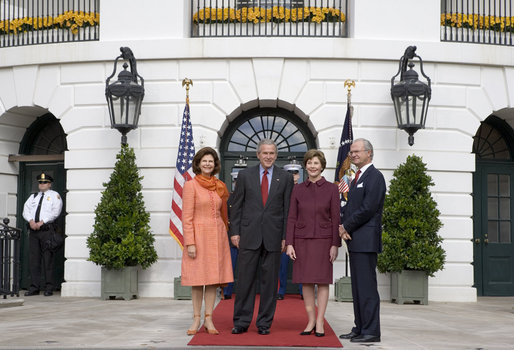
{"points": [[191, 251]]}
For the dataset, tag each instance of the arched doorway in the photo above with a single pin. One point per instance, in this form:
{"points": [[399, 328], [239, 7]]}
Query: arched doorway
{"points": [[493, 208], [41, 149], [291, 134]]}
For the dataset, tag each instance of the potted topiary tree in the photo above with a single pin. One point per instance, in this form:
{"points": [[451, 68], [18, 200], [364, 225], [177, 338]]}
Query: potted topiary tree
{"points": [[121, 241], [411, 245]]}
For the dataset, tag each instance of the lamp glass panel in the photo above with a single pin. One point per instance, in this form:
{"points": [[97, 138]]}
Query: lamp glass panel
{"points": [[126, 110], [110, 105], [407, 111], [424, 111], [132, 110], [117, 106], [417, 109], [400, 109]]}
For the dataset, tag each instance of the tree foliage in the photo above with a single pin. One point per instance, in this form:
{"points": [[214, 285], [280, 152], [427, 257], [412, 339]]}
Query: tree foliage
{"points": [[411, 222], [121, 233]]}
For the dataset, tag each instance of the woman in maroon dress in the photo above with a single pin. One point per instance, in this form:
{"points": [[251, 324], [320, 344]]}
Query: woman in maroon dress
{"points": [[312, 237]]}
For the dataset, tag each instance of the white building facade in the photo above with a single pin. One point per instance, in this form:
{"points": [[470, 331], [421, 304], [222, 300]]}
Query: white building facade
{"points": [[302, 77]]}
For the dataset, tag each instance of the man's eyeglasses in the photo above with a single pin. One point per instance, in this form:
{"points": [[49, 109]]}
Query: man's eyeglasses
{"points": [[351, 153], [44, 182]]}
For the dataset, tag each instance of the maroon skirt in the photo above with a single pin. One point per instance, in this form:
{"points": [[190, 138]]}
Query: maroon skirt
{"points": [[312, 264]]}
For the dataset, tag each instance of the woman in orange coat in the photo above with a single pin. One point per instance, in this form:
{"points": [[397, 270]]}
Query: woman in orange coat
{"points": [[206, 259]]}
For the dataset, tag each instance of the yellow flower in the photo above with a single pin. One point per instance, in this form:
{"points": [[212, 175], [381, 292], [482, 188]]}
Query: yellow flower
{"points": [[74, 29], [261, 14]]}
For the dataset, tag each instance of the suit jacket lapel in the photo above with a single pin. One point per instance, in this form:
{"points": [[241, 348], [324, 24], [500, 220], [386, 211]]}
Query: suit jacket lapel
{"points": [[256, 179], [274, 183], [366, 173], [362, 177]]}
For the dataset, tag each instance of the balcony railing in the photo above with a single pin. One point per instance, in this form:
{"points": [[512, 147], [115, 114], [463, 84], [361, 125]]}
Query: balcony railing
{"points": [[29, 22], [477, 21], [288, 18]]}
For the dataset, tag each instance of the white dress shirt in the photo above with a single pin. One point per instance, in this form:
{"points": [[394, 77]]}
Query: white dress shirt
{"points": [[51, 207]]}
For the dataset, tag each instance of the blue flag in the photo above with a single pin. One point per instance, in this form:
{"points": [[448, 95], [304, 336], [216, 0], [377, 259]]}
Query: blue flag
{"points": [[343, 161]]}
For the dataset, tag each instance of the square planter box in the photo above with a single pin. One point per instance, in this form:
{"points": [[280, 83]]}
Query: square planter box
{"points": [[120, 283], [181, 292], [343, 289], [409, 286]]}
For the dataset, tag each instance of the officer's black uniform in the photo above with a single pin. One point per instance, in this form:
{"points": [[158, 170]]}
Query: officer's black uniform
{"points": [[41, 211]]}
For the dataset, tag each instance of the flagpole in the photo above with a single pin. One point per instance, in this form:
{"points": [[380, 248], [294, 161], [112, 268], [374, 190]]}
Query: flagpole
{"points": [[188, 82], [348, 84], [183, 171]]}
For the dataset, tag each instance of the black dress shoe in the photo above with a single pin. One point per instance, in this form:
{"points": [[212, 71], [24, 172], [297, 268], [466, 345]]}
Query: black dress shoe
{"points": [[48, 293], [239, 330], [31, 293], [263, 330], [348, 335], [366, 338], [280, 297]]}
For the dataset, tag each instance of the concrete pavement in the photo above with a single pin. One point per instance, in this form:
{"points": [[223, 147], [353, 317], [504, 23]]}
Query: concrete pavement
{"points": [[90, 323]]}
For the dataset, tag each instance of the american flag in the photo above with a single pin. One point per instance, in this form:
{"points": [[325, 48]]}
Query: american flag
{"points": [[343, 185], [183, 173]]}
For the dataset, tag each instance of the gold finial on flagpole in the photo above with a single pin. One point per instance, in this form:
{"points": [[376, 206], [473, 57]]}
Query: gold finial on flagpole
{"points": [[348, 84], [187, 82]]}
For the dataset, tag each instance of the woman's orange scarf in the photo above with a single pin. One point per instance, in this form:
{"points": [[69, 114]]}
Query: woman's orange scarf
{"points": [[214, 184]]}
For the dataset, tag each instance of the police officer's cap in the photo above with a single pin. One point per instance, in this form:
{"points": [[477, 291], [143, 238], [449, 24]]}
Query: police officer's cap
{"points": [[43, 178], [293, 168]]}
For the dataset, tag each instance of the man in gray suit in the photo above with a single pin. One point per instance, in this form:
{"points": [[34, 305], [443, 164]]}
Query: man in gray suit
{"points": [[258, 217]]}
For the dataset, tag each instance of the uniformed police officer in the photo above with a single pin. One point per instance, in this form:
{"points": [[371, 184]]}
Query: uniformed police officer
{"points": [[41, 211]]}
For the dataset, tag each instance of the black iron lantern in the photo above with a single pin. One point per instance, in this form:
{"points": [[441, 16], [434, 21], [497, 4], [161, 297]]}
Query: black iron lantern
{"points": [[125, 95], [410, 96]]}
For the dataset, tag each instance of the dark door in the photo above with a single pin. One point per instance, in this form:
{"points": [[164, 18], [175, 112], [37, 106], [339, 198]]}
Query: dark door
{"points": [[28, 186], [494, 248], [493, 208]]}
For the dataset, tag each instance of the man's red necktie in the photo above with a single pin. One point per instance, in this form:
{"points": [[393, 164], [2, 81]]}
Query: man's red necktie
{"points": [[356, 177], [264, 187]]}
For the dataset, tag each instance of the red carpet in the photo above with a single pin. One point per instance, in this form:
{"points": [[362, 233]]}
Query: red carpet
{"points": [[290, 319]]}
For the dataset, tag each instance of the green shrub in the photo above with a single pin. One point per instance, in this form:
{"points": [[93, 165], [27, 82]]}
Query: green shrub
{"points": [[411, 222], [121, 233]]}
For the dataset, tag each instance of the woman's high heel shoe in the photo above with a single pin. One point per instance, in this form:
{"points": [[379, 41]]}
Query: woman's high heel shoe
{"points": [[307, 332], [317, 334], [193, 331], [210, 331]]}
